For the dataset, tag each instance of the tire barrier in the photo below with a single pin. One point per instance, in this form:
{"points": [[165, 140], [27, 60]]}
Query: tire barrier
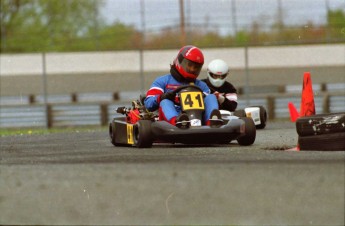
{"points": [[323, 142], [322, 132], [321, 124]]}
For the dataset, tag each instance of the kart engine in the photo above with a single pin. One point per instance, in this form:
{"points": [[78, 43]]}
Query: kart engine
{"points": [[136, 113]]}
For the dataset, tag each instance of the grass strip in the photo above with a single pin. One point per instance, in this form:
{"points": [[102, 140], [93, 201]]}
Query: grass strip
{"points": [[5, 132]]}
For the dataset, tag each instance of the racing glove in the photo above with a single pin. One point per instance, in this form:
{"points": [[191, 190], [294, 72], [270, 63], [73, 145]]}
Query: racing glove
{"points": [[167, 95], [220, 97]]}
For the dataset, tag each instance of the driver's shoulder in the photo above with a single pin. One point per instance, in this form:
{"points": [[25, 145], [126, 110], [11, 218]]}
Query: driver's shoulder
{"points": [[202, 84], [163, 79]]}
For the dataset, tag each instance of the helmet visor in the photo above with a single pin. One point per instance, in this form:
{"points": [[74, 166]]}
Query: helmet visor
{"points": [[191, 67], [216, 76]]}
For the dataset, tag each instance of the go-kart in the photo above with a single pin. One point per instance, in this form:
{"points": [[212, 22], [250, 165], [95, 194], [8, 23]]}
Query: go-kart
{"points": [[141, 128]]}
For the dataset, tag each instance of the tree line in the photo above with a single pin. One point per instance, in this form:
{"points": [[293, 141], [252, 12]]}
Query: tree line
{"points": [[67, 25]]}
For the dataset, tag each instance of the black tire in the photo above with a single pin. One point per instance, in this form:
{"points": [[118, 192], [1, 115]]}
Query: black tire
{"points": [[250, 133], [142, 134], [324, 142], [321, 124], [112, 133], [263, 117]]}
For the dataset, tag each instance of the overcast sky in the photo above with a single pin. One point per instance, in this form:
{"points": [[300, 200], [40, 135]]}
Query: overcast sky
{"points": [[217, 14]]}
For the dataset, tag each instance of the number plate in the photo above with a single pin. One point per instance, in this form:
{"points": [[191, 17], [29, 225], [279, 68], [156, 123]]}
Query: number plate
{"points": [[192, 100], [195, 122]]}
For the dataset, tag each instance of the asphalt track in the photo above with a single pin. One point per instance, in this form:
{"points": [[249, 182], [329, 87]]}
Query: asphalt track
{"points": [[80, 178]]}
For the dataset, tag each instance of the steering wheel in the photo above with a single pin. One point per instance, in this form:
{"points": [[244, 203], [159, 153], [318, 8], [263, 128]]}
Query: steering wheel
{"points": [[180, 88], [191, 87]]}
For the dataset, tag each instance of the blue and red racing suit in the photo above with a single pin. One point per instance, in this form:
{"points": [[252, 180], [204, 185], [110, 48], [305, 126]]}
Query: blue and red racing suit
{"points": [[167, 109]]}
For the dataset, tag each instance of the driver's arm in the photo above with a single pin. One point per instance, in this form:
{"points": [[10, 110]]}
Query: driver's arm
{"points": [[230, 102], [152, 99]]}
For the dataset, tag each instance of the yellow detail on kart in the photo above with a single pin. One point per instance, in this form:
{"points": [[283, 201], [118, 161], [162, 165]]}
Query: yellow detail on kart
{"points": [[191, 100], [130, 134]]}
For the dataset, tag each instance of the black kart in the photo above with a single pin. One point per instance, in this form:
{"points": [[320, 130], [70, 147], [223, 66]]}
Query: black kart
{"points": [[141, 128]]}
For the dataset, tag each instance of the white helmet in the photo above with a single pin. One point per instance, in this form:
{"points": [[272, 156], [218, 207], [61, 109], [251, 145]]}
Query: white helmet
{"points": [[217, 71]]}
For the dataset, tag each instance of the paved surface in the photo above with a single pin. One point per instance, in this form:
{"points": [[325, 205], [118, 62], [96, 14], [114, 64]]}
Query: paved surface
{"points": [[80, 178]]}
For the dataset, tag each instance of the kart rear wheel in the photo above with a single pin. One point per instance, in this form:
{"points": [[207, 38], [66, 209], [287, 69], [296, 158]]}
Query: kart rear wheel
{"points": [[142, 134], [112, 134], [250, 133], [263, 117]]}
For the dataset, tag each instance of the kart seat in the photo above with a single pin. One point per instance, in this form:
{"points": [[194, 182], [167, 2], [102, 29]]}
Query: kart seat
{"points": [[142, 98]]}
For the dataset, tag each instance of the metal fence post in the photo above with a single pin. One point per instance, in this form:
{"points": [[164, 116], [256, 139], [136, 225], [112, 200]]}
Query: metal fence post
{"points": [[326, 104], [104, 114], [271, 107], [247, 73], [142, 47], [74, 97], [32, 98], [44, 80], [49, 116]]}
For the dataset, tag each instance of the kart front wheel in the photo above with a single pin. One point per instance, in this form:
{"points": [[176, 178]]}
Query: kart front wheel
{"points": [[249, 135], [142, 134]]}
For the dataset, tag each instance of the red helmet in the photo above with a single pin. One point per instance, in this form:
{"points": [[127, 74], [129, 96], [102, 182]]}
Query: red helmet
{"points": [[189, 62]]}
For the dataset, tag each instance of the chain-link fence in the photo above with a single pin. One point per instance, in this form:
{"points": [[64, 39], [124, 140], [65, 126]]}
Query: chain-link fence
{"points": [[148, 24]]}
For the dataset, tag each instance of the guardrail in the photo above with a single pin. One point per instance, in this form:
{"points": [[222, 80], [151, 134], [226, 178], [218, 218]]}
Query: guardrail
{"points": [[66, 98], [116, 96], [100, 113]]}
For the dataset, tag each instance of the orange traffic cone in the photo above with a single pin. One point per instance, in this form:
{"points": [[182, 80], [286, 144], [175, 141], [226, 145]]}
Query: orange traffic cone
{"points": [[307, 102], [293, 112]]}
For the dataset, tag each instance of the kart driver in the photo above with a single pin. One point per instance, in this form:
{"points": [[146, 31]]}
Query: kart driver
{"points": [[184, 70], [226, 94]]}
